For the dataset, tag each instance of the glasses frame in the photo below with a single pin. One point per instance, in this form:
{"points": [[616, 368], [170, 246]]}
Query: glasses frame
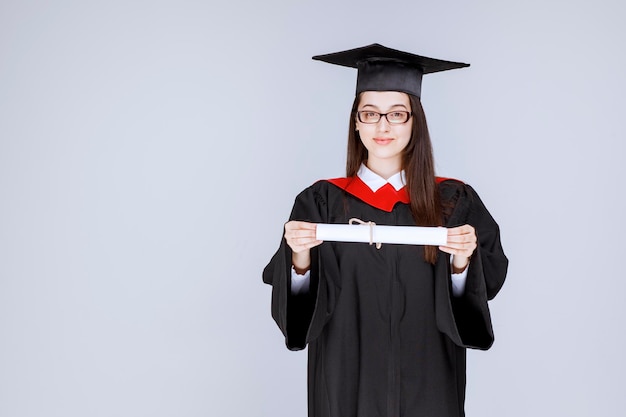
{"points": [[381, 115]]}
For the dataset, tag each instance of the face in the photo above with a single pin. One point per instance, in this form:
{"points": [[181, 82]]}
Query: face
{"points": [[384, 141]]}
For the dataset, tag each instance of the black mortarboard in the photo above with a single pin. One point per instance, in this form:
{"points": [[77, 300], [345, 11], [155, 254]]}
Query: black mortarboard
{"points": [[385, 69]]}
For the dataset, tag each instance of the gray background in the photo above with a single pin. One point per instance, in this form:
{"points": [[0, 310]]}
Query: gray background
{"points": [[150, 152]]}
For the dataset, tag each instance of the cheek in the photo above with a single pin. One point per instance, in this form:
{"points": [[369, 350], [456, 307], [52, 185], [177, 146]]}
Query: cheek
{"points": [[406, 134], [364, 133], [363, 139], [409, 129]]}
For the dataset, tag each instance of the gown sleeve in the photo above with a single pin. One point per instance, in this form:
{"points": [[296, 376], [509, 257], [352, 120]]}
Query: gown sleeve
{"points": [[466, 319], [301, 317]]}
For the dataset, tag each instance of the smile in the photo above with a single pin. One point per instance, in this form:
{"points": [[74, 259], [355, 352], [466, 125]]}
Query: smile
{"points": [[383, 141]]}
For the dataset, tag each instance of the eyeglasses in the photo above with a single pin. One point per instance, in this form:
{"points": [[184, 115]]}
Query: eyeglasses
{"points": [[394, 117]]}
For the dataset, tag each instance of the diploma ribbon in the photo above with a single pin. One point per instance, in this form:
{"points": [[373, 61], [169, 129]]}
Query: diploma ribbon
{"points": [[354, 220]]}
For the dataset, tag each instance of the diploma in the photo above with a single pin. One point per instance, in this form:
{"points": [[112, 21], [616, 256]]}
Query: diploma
{"points": [[371, 233]]}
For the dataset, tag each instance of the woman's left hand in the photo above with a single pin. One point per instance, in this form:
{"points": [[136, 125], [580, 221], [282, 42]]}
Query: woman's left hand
{"points": [[461, 243]]}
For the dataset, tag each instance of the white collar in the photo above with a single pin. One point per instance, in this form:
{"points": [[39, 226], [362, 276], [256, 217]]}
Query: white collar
{"points": [[375, 181]]}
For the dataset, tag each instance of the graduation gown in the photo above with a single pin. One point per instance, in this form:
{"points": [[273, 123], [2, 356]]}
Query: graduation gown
{"points": [[385, 336]]}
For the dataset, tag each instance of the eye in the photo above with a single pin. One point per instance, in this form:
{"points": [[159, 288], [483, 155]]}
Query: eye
{"points": [[397, 115], [367, 116]]}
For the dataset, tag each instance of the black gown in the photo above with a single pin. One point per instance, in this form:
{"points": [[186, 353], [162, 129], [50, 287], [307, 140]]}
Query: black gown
{"points": [[386, 337]]}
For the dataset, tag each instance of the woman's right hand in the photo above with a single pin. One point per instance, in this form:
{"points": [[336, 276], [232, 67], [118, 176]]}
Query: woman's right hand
{"points": [[300, 237]]}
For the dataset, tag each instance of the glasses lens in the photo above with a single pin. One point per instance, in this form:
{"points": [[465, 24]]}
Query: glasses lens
{"points": [[368, 116], [398, 117]]}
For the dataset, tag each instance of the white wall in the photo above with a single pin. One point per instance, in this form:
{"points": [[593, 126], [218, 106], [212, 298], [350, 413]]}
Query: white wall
{"points": [[150, 153]]}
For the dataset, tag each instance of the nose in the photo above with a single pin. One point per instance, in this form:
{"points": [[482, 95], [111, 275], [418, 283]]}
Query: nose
{"points": [[383, 124]]}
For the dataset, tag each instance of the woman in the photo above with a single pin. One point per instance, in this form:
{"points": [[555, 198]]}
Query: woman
{"points": [[387, 327]]}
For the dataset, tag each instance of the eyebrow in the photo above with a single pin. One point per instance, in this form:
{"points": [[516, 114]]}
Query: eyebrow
{"points": [[391, 107]]}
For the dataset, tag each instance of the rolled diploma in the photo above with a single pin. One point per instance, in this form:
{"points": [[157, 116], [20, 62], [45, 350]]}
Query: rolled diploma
{"points": [[405, 235]]}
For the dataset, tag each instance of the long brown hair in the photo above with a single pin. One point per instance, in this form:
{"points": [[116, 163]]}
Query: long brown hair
{"points": [[418, 165]]}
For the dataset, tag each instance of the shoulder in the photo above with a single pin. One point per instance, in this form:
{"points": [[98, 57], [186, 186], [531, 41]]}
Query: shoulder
{"points": [[457, 199], [322, 190], [441, 180], [461, 203], [453, 186], [450, 188], [320, 186], [314, 203], [325, 186]]}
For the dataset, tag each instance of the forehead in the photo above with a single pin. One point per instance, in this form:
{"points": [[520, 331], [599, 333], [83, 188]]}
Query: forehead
{"points": [[384, 99]]}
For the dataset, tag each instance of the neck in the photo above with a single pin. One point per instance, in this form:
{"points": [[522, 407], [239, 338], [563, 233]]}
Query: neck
{"points": [[385, 169]]}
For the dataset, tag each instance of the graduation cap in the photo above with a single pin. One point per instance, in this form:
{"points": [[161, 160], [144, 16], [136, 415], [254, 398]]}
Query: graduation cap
{"points": [[385, 69]]}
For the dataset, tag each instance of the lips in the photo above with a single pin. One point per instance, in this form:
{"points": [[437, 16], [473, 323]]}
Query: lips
{"points": [[383, 141]]}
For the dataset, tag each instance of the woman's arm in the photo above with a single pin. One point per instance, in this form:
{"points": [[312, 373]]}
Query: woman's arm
{"points": [[300, 237]]}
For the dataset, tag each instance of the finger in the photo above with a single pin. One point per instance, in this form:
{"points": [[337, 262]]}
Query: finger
{"points": [[300, 236], [305, 246], [295, 224], [465, 249], [300, 232], [459, 236], [461, 246], [456, 252], [314, 244], [301, 243], [445, 249], [299, 240], [449, 250], [463, 238], [461, 230], [294, 230], [463, 243]]}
